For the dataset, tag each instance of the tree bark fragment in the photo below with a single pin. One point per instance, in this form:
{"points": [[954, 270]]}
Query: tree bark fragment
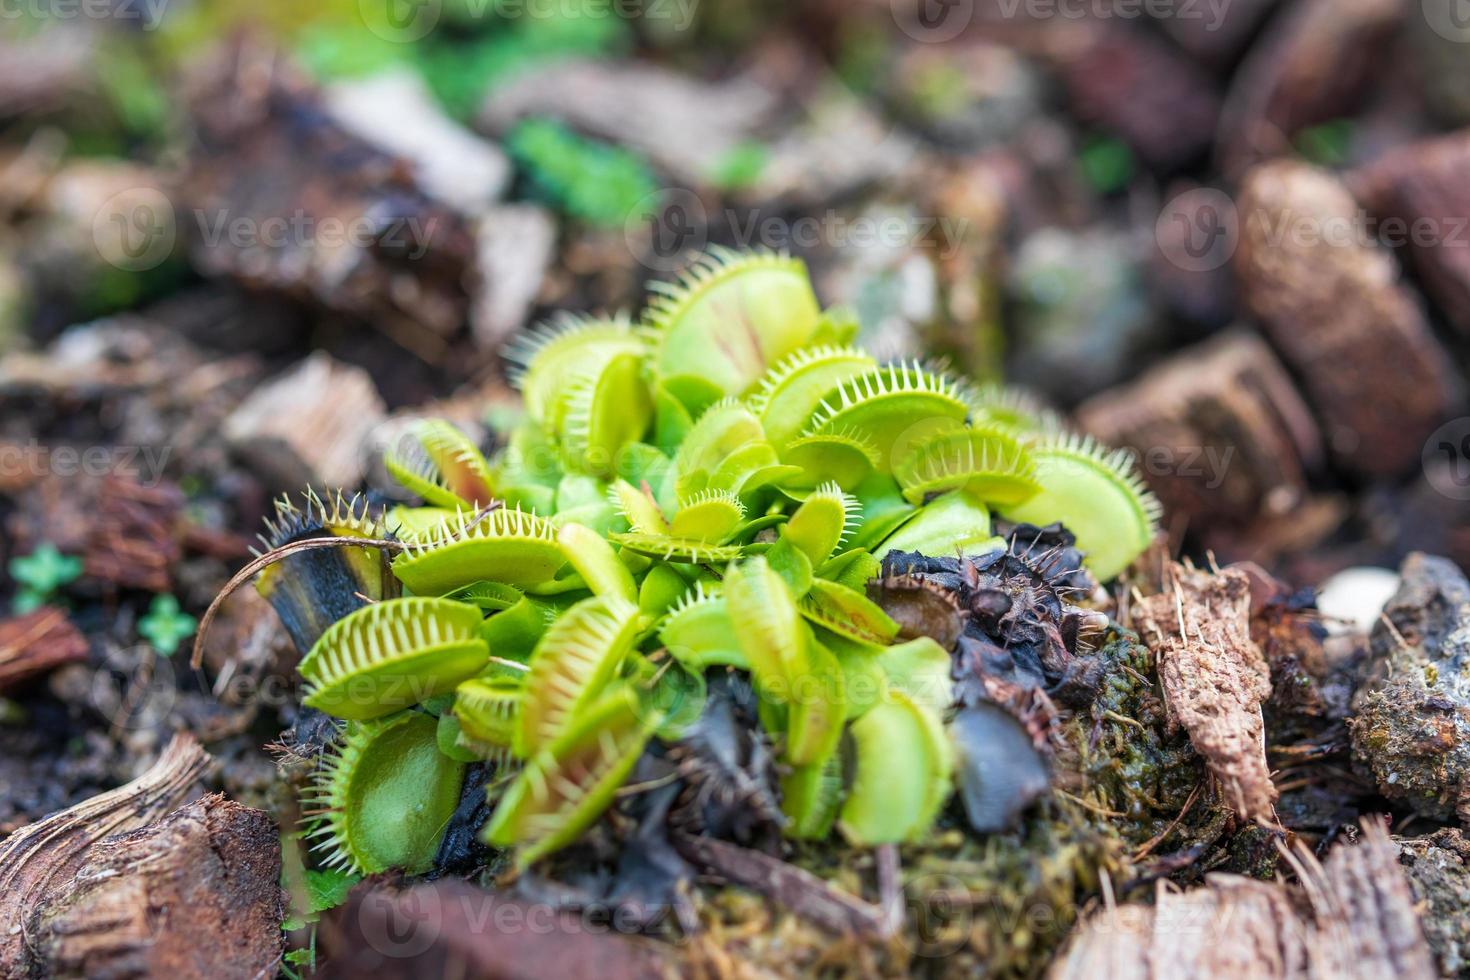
{"points": [[37, 643], [1352, 919], [196, 894], [40, 858], [1214, 677]]}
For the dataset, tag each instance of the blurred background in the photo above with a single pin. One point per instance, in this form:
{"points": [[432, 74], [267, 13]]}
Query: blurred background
{"points": [[241, 242]]}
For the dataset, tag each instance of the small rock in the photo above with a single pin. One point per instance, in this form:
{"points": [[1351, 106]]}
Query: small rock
{"points": [[1411, 721], [1356, 596]]}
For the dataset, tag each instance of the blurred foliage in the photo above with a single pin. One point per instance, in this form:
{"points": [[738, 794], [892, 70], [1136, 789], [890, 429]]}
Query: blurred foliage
{"points": [[1326, 145], [588, 179], [1107, 164]]}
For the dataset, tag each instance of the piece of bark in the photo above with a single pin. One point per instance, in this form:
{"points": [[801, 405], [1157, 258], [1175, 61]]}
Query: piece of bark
{"points": [[452, 928], [37, 643], [37, 860], [1422, 189], [515, 248], [196, 894], [1221, 434], [306, 426], [285, 199], [1353, 918], [1312, 65], [800, 891], [1121, 78], [395, 111], [1336, 310], [134, 541], [684, 125], [1411, 718], [1214, 677]]}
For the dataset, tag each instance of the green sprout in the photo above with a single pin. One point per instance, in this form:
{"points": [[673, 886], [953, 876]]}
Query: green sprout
{"points": [[709, 489], [41, 575], [165, 626]]}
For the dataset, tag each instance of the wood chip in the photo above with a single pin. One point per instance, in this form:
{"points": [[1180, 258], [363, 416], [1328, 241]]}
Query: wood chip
{"points": [[1422, 187], [1314, 65], [42, 857], [134, 542], [1354, 918], [1214, 677], [684, 125], [1222, 436], [516, 247], [1334, 307], [307, 425], [196, 894], [37, 643], [283, 198]]}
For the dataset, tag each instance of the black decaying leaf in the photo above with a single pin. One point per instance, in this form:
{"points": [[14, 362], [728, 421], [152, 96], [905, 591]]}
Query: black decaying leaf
{"points": [[1000, 772]]}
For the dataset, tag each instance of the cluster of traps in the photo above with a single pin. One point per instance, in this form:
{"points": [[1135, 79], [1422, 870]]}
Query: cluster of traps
{"points": [[711, 488]]}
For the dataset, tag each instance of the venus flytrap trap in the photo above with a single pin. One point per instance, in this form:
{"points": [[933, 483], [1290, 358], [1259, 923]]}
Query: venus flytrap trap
{"points": [[707, 490]]}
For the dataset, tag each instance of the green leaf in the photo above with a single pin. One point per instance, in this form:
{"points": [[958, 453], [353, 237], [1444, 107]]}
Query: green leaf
{"points": [[328, 889], [45, 570], [166, 626]]}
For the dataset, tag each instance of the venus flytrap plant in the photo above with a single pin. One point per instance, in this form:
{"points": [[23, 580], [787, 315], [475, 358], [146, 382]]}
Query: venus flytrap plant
{"points": [[710, 489]]}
